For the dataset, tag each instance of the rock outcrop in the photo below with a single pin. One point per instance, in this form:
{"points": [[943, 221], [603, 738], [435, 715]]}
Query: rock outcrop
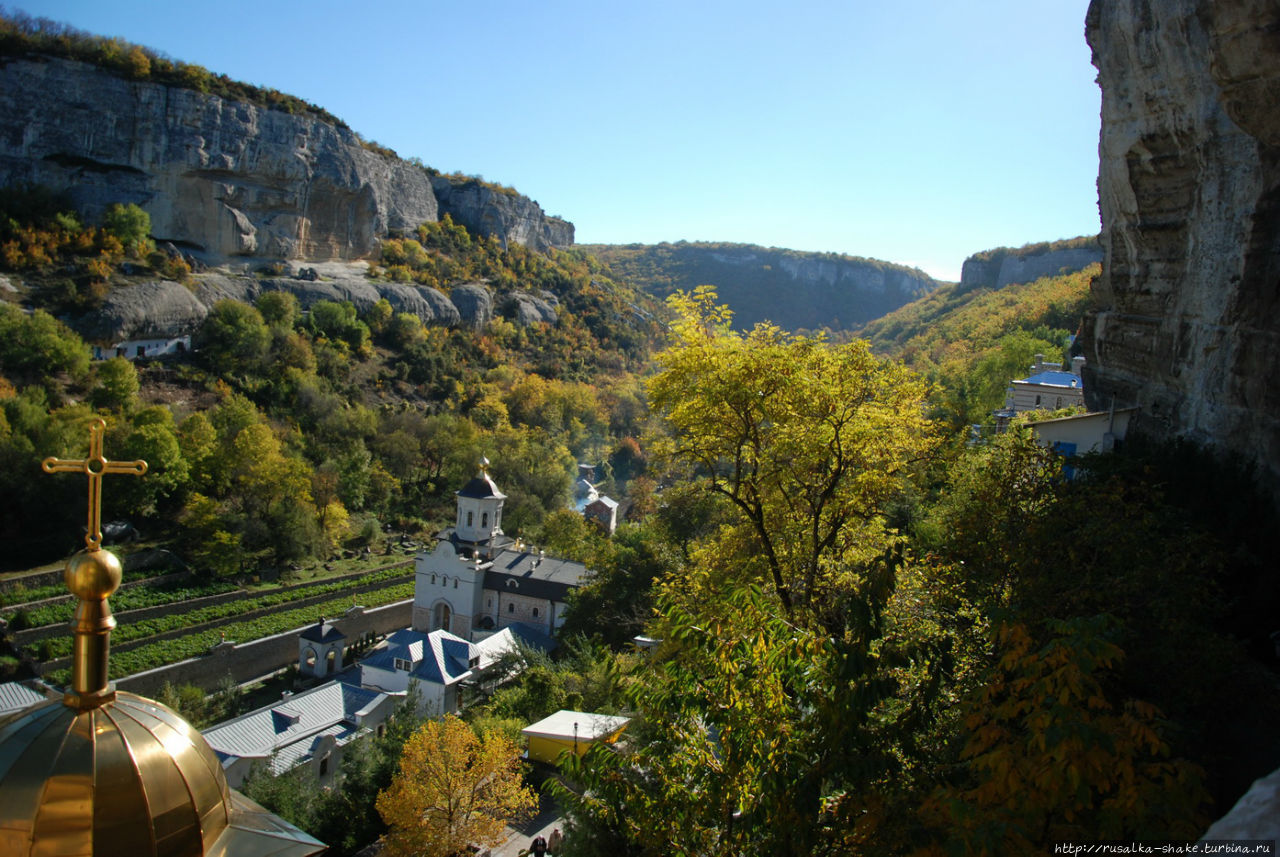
{"points": [[527, 309], [159, 308], [792, 289], [1188, 318], [486, 210], [474, 303], [995, 270], [226, 180], [165, 308]]}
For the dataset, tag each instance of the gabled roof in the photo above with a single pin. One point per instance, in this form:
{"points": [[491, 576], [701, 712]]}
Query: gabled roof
{"points": [[491, 649], [15, 696], [438, 657], [270, 729], [534, 575]]}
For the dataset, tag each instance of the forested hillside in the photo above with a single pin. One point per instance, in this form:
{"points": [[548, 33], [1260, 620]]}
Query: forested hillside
{"points": [[288, 433], [792, 289], [970, 342]]}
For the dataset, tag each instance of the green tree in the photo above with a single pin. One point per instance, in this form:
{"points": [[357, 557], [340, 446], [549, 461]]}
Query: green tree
{"points": [[808, 441], [278, 309], [233, 338], [37, 347], [131, 225], [116, 386]]}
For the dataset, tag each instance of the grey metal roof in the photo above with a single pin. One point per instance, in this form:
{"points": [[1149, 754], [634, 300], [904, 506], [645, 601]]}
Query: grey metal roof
{"points": [[538, 577], [268, 730], [288, 757], [15, 696]]}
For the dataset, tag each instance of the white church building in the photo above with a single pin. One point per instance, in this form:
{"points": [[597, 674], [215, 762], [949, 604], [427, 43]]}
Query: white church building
{"points": [[478, 581]]}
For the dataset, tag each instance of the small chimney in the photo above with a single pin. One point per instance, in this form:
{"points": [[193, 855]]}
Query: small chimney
{"points": [[1077, 364], [1039, 363]]}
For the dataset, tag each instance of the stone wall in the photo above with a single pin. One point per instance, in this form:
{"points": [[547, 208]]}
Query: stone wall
{"points": [[245, 661]]}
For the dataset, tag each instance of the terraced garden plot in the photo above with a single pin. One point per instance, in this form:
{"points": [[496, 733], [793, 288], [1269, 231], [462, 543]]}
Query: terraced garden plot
{"points": [[127, 631], [200, 641]]}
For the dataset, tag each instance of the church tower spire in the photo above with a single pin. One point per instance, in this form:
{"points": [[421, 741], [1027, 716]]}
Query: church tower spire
{"points": [[479, 509]]}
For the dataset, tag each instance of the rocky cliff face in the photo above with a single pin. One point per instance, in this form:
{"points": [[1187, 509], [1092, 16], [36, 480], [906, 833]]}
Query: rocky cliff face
{"points": [[228, 180], [1187, 324], [789, 288], [1003, 269], [513, 218]]}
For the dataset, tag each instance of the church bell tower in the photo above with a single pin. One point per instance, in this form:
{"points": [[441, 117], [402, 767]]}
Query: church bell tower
{"points": [[479, 510]]}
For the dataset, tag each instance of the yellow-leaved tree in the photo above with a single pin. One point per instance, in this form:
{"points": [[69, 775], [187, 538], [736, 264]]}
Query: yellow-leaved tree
{"points": [[809, 441], [453, 790]]}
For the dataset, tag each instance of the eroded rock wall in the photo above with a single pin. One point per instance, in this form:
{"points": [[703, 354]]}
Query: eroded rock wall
{"points": [[1187, 325], [1011, 268], [225, 179], [513, 218]]}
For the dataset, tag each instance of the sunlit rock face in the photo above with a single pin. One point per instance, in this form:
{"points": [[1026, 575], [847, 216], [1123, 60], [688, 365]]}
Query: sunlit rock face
{"points": [[224, 179], [513, 218], [1187, 323], [1015, 267]]}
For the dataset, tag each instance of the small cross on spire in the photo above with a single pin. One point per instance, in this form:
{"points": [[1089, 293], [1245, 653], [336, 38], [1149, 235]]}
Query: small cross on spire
{"points": [[95, 466]]}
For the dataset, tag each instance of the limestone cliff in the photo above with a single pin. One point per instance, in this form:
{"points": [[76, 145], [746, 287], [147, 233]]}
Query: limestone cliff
{"points": [[995, 269], [486, 210], [1187, 323], [792, 289], [226, 179]]}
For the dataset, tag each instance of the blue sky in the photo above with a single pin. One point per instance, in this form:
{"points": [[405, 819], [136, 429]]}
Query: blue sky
{"points": [[915, 131]]}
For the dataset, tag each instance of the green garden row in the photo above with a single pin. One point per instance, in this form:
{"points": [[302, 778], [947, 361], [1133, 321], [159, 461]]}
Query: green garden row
{"points": [[171, 651], [133, 598], [59, 647]]}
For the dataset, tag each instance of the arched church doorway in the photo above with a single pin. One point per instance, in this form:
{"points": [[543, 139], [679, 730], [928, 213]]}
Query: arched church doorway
{"points": [[441, 618]]}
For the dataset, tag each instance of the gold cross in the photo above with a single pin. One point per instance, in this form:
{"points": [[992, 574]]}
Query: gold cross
{"points": [[95, 467]]}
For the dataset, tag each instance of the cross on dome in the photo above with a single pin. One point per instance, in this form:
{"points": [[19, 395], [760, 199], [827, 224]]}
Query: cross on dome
{"points": [[95, 466]]}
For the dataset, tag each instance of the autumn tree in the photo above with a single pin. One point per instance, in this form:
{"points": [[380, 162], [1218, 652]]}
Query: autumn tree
{"points": [[454, 789], [1052, 756], [782, 712], [808, 441]]}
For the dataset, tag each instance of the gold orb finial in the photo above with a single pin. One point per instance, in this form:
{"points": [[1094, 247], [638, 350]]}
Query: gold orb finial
{"points": [[93, 575]]}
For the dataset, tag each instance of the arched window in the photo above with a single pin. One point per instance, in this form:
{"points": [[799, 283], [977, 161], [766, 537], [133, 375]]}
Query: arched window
{"points": [[535, 612], [469, 518], [433, 580], [484, 519], [309, 658], [511, 608], [455, 583], [1037, 402]]}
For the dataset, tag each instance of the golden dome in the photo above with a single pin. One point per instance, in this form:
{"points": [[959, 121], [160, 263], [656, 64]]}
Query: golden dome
{"points": [[104, 773], [127, 777], [131, 773]]}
